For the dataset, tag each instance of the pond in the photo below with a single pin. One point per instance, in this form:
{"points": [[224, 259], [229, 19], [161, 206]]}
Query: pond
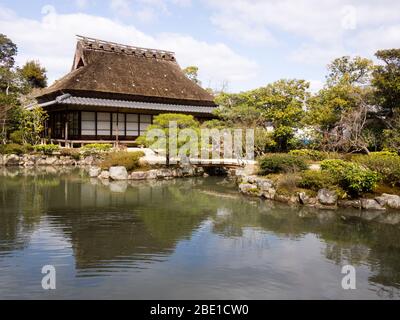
{"points": [[181, 239]]}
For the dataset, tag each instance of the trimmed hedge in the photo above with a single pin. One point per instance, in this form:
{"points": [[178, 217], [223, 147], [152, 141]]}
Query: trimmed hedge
{"points": [[129, 160], [47, 149], [316, 180], [387, 164], [352, 177], [13, 148], [279, 162]]}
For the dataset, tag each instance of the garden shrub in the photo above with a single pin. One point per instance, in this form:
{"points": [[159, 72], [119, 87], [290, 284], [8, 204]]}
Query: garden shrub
{"points": [[279, 162], [352, 177], [309, 154], [386, 163], [316, 180], [12, 148], [47, 149], [96, 148], [129, 160], [17, 137], [70, 152]]}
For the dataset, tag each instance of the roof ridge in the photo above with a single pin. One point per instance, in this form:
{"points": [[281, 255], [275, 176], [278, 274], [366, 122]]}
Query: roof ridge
{"points": [[102, 45]]}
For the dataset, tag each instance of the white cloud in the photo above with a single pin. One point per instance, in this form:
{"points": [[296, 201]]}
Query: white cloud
{"points": [[82, 4], [321, 27], [51, 39]]}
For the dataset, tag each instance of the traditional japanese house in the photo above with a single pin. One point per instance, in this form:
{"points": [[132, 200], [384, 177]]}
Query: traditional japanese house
{"points": [[113, 92]]}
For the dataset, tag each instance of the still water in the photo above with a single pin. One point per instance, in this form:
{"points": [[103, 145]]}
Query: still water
{"points": [[181, 239]]}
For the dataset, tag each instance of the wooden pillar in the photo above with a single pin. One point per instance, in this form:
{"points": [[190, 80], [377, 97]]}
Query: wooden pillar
{"points": [[66, 131]]}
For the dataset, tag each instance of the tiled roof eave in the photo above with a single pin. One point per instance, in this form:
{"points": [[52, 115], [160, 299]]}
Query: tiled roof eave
{"points": [[96, 102]]}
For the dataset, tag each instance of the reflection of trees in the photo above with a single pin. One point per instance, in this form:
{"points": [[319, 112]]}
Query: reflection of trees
{"points": [[146, 221], [353, 242], [23, 201]]}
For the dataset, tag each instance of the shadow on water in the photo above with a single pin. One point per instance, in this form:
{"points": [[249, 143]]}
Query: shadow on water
{"points": [[134, 224]]}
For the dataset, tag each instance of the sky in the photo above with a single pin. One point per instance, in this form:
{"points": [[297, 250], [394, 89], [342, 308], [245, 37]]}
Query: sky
{"points": [[237, 44]]}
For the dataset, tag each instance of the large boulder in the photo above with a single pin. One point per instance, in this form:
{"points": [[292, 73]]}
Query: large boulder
{"points": [[12, 160], [139, 175], [371, 204], [269, 193], [104, 175], [389, 200], [151, 174], [118, 173], [247, 188], [327, 197], [51, 161], [164, 173], [305, 199], [94, 172], [264, 184]]}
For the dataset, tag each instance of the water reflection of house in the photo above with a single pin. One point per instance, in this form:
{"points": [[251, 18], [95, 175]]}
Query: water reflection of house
{"points": [[113, 92]]}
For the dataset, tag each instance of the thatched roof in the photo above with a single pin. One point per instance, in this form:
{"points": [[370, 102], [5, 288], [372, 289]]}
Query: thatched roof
{"points": [[112, 71]]}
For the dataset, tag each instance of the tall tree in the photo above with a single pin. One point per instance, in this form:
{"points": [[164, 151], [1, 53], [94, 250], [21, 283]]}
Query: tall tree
{"points": [[192, 72], [34, 74], [355, 71], [8, 51], [386, 79]]}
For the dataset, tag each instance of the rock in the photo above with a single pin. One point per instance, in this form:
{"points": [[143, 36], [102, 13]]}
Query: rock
{"points": [[248, 188], [164, 173], [88, 161], [327, 197], [264, 184], [12, 160], [94, 172], [152, 174], [304, 199], [188, 171], [104, 175], [118, 173], [139, 175], [371, 204], [389, 200], [356, 204], [50, 161], [250, 169], [286, 199], [269, 193]]}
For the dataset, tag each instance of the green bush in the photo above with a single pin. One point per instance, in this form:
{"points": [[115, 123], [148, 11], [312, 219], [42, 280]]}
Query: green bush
{"points": [[316, 180], [12, 148], [17, 137], [279, 162], [28, 147], [70, 152], [47, 149], [352, 177], [129, 160], [314, 155], [387, 164], [96, 148]]}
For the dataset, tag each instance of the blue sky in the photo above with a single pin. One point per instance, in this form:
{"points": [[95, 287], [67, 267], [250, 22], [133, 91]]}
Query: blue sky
{"points": [[241, 44]]}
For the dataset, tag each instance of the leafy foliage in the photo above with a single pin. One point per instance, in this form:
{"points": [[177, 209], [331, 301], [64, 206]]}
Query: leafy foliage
{"points": [[129, 160], [279, 162], [309, 154], [387, 164], [47, 149], [316, 180], [353, 178], [12, 148], [34, 74], [96, 148]]}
